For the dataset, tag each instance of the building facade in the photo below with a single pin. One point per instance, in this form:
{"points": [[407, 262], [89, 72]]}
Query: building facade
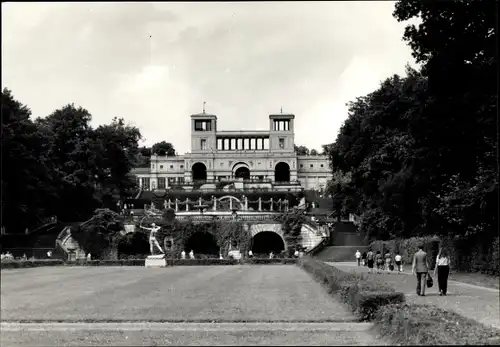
{"points": [[256, 159]]}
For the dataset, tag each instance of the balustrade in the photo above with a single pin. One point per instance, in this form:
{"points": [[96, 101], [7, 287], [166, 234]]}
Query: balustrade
{"points": [[227, 204]]}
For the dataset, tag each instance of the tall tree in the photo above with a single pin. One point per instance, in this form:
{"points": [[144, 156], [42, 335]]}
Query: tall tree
{"points": [[456, 44], [116, 150], [25, 180], [74, 164], [422, 149]]}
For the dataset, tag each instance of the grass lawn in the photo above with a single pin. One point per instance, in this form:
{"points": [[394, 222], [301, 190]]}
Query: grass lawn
{"points": [[192, 293]]}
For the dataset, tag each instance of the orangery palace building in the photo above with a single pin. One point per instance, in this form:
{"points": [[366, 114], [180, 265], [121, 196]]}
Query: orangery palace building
{"points": [[244, 159]]}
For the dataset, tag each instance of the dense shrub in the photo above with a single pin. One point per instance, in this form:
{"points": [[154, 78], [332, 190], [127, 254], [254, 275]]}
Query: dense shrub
{"points": [[468, 254], [421, 325], [474, 254], [408, 247]]}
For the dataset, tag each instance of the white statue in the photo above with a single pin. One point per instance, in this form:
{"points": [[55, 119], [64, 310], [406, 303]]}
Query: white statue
{"points": [[191, 254], [183, 255], [152, 237]]}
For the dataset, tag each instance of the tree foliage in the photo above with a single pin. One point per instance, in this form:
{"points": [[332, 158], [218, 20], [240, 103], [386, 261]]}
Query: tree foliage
{"points": [[60, 165], [292, 222], [303, 150], [163, 148], [101, 234], [422, 149]]}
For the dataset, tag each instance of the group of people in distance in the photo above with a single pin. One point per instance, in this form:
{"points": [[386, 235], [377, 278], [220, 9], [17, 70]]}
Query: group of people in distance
{"points": [[420, 266], [384, 262]]}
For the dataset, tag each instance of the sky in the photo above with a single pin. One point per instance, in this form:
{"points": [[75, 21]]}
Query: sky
{"points": [[154, 64]]}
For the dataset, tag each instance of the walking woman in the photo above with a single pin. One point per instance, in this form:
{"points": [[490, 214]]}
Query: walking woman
{"points": [[443, 270]]}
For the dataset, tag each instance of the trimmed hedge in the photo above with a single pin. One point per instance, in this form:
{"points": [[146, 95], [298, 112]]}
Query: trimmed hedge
{"points": [[421, 325], [264, 261], [364, 296], [14, 264], [191, 262]]}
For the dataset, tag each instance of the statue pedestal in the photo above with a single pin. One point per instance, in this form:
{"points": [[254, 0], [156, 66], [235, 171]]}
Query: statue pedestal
{"points": [[236, 254], [156, 261]]}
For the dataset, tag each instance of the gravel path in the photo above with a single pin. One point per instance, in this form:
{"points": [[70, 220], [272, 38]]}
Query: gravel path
{"points": [[192, 293], [475, 302]]}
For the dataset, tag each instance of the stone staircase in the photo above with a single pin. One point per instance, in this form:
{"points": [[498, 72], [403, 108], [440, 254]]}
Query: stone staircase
{"points": [[68, 245]]}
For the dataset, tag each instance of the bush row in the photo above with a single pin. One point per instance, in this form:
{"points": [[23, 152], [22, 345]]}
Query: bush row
{"points": [[421, 325], [14, 264], [259, 261], [468, 254], [362, 295]]}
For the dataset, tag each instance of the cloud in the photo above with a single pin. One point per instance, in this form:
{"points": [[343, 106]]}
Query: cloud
{"points": [[245, 59]]}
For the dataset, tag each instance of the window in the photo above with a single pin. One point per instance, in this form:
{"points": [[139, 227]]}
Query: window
{"points": [[203, 144], [171, 180], [180, 179], [282, 143], [266, 144], [171, 166], [321, 165], [311, 165], [153, 166], [182, 166], [202, 125], [161, 182], [301, 165], [161, 166], [145, 183]]}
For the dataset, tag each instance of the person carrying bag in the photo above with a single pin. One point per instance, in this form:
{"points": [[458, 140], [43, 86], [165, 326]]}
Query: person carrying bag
{"points": [[443, 270]]}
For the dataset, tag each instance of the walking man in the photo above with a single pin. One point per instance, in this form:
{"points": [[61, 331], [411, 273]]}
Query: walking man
{"points": [[420, 268], [358, 257]]}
